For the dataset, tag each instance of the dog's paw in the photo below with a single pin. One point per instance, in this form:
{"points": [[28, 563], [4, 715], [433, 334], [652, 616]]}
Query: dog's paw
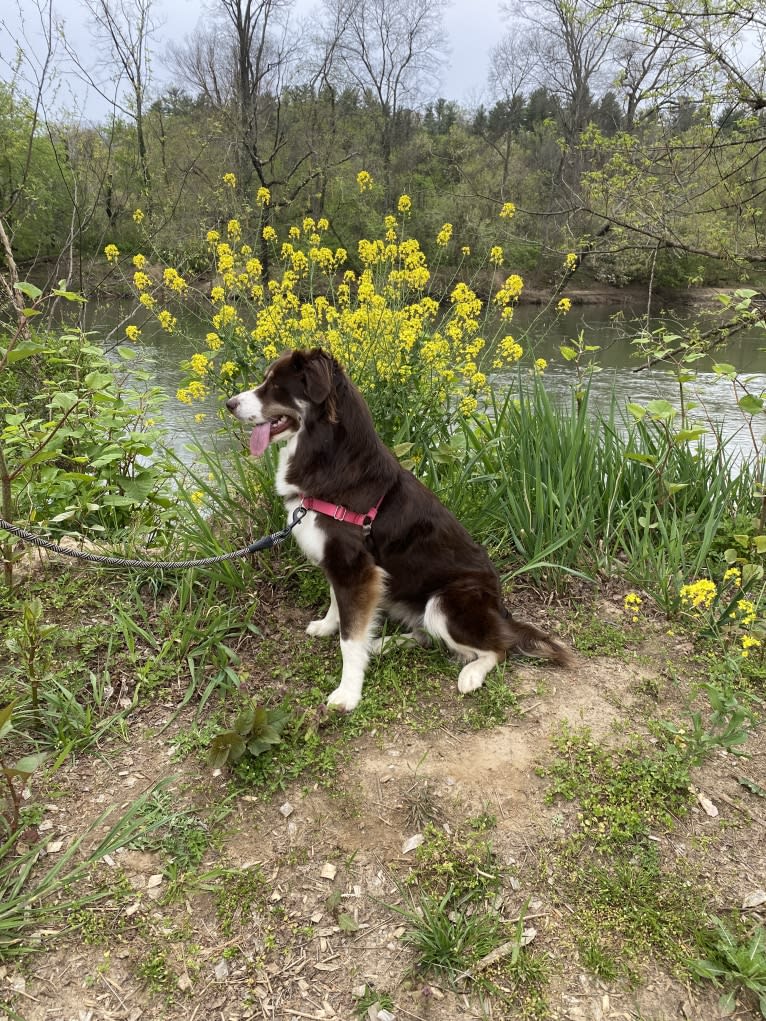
{"points": [[343, 701], [322, 628], [471, 677]]}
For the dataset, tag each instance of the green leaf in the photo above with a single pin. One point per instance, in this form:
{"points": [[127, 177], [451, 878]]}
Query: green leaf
{"points": [[28, 290], [243, 725], [685, 435], [26, 766], [128, 354], [5, 718], [724, 369], [661, 409], [98, 380], [25, 349], [750, 404], [637, 411], [675, 487], [69, 295], [346, 923], [759, 541], [568, 352], [224, 748]]}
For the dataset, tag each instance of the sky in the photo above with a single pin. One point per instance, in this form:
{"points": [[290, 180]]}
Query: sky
{"points": [[472, 28]]}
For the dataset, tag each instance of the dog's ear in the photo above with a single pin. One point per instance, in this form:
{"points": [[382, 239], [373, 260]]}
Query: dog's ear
{"points": [[319, 373]]}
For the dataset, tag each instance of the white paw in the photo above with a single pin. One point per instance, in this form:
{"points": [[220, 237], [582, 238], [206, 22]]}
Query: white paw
{"points": [[322, 628], [471, 677], [343, 700]]}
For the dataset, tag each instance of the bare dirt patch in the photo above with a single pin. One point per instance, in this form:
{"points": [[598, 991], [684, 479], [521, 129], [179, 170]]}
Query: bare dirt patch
{"points": [[292, 909]]}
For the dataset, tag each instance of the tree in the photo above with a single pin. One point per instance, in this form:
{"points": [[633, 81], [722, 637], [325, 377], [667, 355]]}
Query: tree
{"points": [[126, 26], [391, 51]]}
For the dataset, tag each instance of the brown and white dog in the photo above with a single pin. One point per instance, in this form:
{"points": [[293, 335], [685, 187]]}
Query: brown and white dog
{"points": [[385, 542]]}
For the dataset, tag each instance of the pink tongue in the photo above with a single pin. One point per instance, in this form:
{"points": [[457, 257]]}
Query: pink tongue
{"points": [[259, 439]]}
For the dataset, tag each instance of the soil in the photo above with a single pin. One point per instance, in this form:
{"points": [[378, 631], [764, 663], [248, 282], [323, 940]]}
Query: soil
{"points": [[286, 956]]}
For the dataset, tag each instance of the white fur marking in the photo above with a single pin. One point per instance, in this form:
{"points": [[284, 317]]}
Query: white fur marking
{"points": [[355, 654], [328, 624], [471, 676], [249, 407]]}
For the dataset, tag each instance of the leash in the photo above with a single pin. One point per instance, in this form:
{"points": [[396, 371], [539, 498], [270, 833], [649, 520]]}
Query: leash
{"points": [[267, 542]]}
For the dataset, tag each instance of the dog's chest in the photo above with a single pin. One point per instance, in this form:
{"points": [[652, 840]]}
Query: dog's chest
{"points": [[309, 535]]}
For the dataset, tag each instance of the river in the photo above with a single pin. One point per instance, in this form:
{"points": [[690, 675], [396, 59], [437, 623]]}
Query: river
{"points": [[605, 326]]}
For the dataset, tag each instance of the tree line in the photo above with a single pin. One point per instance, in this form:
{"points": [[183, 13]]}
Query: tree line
{"points": [[628, 135]]}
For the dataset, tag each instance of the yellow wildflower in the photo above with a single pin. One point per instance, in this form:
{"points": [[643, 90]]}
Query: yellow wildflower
{"points": [[269, 234], [213, 341], [571, 261], [200, 364], [507, 211], [748, 643], [230, 180], [112, 253], [444, 235], [732, 574], [217, 294], [167, 320], [139, 261], [465, 250], [496, 255], [699, 595], [213, 237], [138, 215], [564, 305], [404, 205], [141, 281], [228, 368], [173, 279], [263, 197], [132, 332], [147, 300], [233, 229], [540, 366], [364, 180]]}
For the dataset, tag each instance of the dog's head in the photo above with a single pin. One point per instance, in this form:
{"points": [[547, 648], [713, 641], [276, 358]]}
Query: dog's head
{"points": [[297, 386]]}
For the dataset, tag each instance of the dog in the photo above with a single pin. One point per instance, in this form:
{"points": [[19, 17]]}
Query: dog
{"points": [[384, 541]]}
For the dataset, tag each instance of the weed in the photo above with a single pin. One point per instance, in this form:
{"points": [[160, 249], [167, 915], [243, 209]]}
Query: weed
{"points": [[622, 793], [597, 637], [492, 704], [372, 997], [236, 892], [734, 959], [464, 865], [447, 937]]}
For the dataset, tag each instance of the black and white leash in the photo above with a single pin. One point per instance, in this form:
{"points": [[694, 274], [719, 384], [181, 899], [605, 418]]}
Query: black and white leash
{"points": [[267, 542]]}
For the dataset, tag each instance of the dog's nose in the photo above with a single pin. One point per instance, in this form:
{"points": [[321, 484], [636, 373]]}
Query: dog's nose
{"points": [[232, 403]]}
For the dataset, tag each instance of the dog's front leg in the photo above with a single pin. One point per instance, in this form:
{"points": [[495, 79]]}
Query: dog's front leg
{"points": [[328, 624], [358, 607]]}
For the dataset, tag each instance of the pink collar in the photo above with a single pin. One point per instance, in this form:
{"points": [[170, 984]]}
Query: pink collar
{"points": [[340, 513]]}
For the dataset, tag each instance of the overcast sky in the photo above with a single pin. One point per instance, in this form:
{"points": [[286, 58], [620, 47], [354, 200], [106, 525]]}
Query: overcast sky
{"points": [[472, 28]]}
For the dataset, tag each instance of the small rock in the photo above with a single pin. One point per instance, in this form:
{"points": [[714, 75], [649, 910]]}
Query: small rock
{"points": [[54, 847], [329, 871], [412, 842], [153, 881], [286, 810], [184, 982], [754, 899], [221, 971]]}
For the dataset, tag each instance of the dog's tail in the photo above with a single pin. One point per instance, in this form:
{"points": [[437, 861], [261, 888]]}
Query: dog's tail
{"points": [[531, 641]]}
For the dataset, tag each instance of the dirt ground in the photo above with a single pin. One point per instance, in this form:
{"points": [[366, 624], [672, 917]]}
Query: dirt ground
{"points": [[286, 955]]}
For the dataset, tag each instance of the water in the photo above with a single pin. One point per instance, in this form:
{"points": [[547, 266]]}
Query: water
{"points": [[605, 326]]}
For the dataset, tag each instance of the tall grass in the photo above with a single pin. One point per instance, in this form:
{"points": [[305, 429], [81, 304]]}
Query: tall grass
{"points": [[555, 491]]}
